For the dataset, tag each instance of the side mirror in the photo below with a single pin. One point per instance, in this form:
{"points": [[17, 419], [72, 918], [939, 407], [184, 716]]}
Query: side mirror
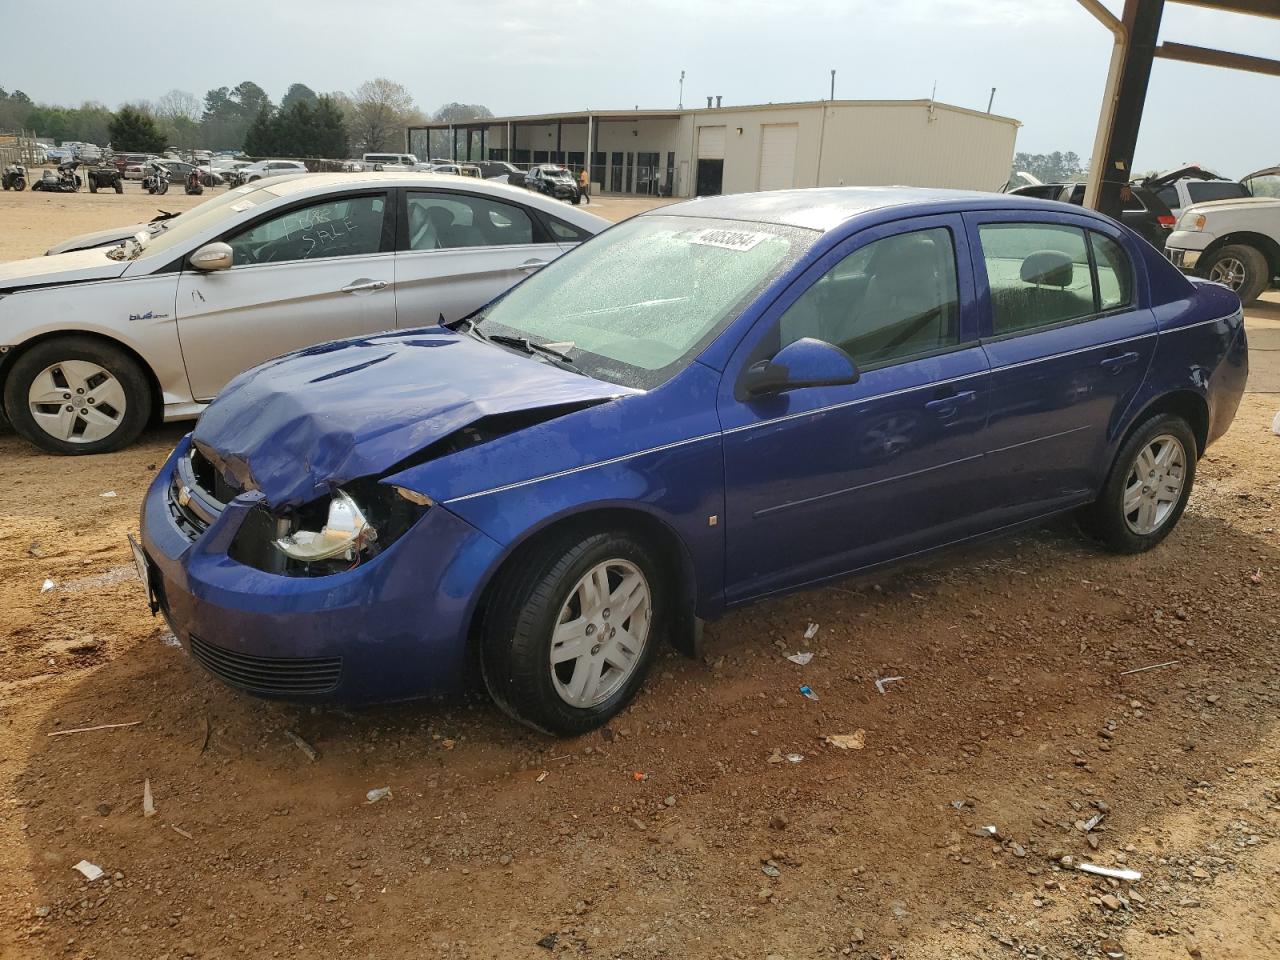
{"points": [[212, 256], [804, 363]]}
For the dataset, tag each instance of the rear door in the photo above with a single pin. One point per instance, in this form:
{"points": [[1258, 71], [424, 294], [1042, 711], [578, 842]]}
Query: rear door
{"points": [[1069, 340], [459, 250], [317, 271]]}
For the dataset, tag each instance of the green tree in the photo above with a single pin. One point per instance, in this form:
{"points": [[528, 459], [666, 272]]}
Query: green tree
{"points": [[380, 111], [297, 92], [228, 112], [262, 138], [134, 131], [1056, 167], [460, 112], [330, 130]]}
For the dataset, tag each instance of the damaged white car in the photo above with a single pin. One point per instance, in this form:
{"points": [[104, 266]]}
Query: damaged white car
{"points": [[96, 344]]}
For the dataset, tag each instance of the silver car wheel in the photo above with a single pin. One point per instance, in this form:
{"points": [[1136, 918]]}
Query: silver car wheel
{"points": [[1154, 485], [77, 401], [1229, 272], [601, 633]]}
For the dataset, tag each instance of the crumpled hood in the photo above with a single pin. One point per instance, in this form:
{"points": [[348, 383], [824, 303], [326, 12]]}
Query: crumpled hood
{"points": [[99, 238], [79, 265], [299, 426]]}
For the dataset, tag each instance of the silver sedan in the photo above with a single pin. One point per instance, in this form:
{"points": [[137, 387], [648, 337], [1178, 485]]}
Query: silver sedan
{"points": [[95, 344]]}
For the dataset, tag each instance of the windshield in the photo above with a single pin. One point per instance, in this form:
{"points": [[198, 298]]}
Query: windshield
{"points": [[636, 304], [228, 206]]}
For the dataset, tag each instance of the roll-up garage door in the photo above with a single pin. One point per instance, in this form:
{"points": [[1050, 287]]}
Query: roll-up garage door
{"points": [[711, 143], [778, 156]]}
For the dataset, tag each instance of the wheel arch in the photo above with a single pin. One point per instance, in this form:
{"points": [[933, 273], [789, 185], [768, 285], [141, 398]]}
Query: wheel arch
{"points": [[1267, 246], [7, 360], [1187, 404], [648, 526]]}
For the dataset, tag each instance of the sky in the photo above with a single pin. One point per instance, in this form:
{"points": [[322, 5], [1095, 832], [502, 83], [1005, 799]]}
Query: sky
{"points": [[1047, 58]]}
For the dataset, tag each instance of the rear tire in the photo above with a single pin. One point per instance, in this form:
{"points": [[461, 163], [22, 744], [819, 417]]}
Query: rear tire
{"points": [[1242, 268], [130, 391], [1147, 489], [548, 595], [119, 186]]}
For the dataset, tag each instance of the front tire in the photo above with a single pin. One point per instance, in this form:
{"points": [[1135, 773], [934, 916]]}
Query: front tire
{"points": [[1242, 268], [572, 629], [77, 395], [1148, 487]]}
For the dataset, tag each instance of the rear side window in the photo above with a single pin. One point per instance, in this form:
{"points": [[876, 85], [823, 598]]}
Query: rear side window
{"points": [[1170, 197], [445, 221], [1038, 274], [566, 232], [1041, 275], [892, 299], [1203, 190]]}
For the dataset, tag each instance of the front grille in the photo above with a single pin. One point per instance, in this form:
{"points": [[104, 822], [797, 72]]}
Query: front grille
{"points": [[277, 676]]}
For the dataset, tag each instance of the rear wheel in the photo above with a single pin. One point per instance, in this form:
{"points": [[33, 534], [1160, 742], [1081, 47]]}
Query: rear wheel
{"points": [[1242, 268], [1148, 487], [119, 185], [571, 631], [76, 395]]}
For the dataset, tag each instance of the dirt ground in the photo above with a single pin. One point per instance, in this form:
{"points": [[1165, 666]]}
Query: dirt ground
{"points": [[684, 829]]}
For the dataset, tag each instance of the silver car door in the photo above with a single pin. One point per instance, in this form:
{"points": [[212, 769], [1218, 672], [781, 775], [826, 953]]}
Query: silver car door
{"points": [[459, 250], [316, 272]]}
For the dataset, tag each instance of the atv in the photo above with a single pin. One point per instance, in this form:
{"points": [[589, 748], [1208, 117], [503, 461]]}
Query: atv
{"points": [[105, 178]]}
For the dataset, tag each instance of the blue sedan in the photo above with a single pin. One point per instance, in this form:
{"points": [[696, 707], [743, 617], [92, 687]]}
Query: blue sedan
{"points": [[704, 406]]}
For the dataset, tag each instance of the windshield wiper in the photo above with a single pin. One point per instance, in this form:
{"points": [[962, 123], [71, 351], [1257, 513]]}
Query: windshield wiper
{"points": [[529, 347]]}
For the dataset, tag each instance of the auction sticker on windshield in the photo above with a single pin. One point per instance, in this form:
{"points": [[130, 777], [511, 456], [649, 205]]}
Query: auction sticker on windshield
{"points": [[728, 239]]}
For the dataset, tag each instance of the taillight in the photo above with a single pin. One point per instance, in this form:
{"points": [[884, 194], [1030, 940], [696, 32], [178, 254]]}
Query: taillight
{"points": [[1166, 220]]}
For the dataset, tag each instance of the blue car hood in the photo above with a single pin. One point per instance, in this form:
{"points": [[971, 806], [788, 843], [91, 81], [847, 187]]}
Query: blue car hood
{"points": [[299, 426]]}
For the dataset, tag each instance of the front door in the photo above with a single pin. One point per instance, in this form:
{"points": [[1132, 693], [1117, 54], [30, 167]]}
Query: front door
{"points": [[825, 480], [459, 251], [316, 272], [1069, 343]]}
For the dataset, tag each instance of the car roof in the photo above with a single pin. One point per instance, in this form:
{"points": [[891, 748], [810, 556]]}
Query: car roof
{"points": [[824, 208]]}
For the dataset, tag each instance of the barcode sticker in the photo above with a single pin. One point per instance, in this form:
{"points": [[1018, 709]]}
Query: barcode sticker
{"points": [[728, 239]]}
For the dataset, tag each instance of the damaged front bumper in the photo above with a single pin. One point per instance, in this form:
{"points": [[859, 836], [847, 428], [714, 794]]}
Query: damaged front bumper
{"points": [[392, 628]]}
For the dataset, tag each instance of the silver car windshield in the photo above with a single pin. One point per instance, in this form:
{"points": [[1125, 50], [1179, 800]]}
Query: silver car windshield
{"points": [[636, 304]]}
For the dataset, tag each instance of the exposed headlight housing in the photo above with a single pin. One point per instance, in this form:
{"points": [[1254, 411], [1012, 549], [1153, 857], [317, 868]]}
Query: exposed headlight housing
{"points": [[1192, 221], [344, 534]]}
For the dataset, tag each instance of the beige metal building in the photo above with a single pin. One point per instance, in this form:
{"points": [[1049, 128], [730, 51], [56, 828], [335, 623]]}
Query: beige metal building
{"points": [[740, 149]]}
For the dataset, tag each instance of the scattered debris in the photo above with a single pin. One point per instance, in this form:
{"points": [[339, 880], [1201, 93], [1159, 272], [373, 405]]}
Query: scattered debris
{"points": [[101, 726], [811, 631], [883, 680], [1084, 826], [91, 871], [1112, 949], [49, 585], [1255, 577], [312, 753], [542, 776], [1131, 875], [639, 776], [378, 793], [1154, 666], [808, 692], [991, 830], [847, 741], [801, 659], [794, 757], [769, 870], [108, 495], [169, 640], [549, 941], [148, 802], [180, 832], [448, 744]]}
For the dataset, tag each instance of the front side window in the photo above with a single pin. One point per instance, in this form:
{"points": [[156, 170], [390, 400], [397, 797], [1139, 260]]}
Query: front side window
{"points": [[636, 303], [346, 227], [892, 299], [446, 221], [1038, 275]]}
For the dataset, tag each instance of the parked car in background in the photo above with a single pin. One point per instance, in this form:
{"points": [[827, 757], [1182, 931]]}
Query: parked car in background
{"points": [[264, 168], [709, 404], [1184, 186], [1264, 182], [124, 161], [1141, 210], [394, 162], [218, 290], [501, 171], [1232, 242], [554, 181]]}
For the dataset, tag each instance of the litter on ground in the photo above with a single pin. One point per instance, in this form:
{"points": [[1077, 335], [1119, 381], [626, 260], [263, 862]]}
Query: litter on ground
{"points": [[148, 802], [811, 631], [801, 659], [847, 741], [883, 680], [808, 692], [378, 793], [47, 586], [1112, 872], [91, 871]]}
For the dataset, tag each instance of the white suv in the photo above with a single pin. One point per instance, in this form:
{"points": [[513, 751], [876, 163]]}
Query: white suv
{"points": [[1232, 242]]}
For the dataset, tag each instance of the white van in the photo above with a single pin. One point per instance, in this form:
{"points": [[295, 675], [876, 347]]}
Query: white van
{"points": [[399, 162]]}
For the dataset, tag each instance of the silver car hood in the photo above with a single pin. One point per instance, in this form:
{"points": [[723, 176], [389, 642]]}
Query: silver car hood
{"points": [[75, 267], [98, 238]]}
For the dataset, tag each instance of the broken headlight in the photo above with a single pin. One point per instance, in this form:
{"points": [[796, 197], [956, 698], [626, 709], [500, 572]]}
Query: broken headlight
{"points": [[329, 535]]}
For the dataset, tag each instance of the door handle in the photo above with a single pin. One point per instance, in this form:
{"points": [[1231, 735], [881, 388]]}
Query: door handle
{"points": [[1119, 362], [946, 406], [361, 286], [532, 265]]}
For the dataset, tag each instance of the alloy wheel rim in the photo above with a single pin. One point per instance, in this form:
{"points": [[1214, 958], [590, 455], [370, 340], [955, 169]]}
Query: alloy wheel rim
{"points": [[1154, 485], [600, 634], [1228, 271], [77, 401]]}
